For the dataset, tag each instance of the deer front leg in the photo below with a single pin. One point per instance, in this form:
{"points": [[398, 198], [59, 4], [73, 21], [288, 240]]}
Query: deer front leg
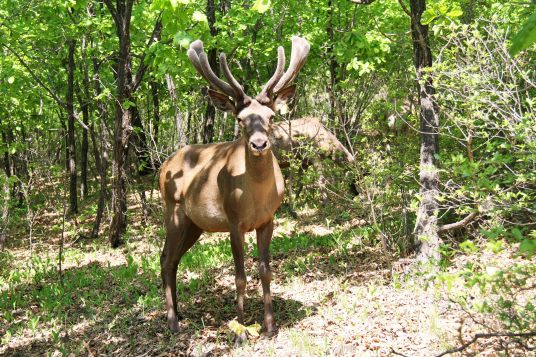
{"points": [[264, 237], [237, 247]]}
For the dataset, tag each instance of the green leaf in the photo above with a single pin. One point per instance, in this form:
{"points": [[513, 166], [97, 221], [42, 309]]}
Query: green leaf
{"points": [[175, 3], [468, 247], [198, 16], [428, 16], [525, 37], [10, 80], [128, 104], [455, 13], [516, 233], [236, 327], [254, 329], [528, 247], [261, 6], [182, 39]]}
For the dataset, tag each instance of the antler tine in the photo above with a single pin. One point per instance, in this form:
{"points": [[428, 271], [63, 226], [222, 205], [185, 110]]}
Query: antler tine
{"points": [[194, 58], [199, 59], [269, 86], [300, 50], [237, 88]]}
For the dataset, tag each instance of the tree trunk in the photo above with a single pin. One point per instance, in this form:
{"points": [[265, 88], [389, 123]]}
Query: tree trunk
{"points": [[210, 113], [101, 158], [156, 109], [178, 115], [332, 62], [139, 141], [84, 151], [5, 193], [123, 119], [84, 104], [428, 240], [71, 139]]}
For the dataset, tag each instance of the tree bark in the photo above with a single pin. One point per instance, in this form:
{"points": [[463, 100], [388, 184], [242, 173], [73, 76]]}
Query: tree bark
{"points": [[6, 193], [210, 112], [333, 65], [71, 138], [139, 141], [124, 111], [156, 109], [102, 157], [84, 151], [426, 230], [178, 115], [84, 99], [121, 13]]}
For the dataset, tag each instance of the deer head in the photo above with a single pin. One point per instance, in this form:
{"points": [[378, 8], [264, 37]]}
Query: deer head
{"points": [[253, 114]]}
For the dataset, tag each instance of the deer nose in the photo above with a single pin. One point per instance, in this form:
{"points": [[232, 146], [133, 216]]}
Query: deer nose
{"points": [[259, 144]]}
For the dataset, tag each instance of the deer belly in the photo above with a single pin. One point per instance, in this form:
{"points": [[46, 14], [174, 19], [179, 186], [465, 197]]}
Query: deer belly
{"points": [[208, 216]]}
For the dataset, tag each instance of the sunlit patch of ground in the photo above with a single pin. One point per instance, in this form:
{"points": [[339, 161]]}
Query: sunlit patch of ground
{"points": [[333, 295]]}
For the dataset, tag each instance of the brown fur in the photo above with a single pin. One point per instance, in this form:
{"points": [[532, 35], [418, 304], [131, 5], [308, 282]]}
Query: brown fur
{"points": [[289, 137], [231, 187]]}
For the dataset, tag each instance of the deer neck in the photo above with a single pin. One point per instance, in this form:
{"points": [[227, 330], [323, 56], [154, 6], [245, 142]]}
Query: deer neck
{"points": [[259, 168]]}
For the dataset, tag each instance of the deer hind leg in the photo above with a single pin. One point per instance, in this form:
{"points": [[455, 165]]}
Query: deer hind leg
{"points": [[237, 247], [264, 237], [179, 238]]}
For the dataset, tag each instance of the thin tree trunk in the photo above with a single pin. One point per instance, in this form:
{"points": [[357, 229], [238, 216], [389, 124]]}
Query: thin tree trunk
{"points": [[428, 240], [84, 152], [210, 112], [139, 141], [210, 116], [178, 115], [122, 13], [85, 106], [5, 186], [156, 109], [71, 139], [102, 157], [7, 159], [332, 62]]}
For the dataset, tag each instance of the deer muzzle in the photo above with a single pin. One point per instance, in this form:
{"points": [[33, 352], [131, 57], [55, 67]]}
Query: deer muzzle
{"points": [[259, 145]]}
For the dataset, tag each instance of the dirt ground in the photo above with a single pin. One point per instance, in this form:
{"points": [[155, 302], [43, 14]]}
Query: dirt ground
{"points": [[333, 295]]}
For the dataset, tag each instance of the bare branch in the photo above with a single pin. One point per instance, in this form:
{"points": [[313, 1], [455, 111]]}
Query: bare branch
{"points": [[460, 224], [404, 7]]}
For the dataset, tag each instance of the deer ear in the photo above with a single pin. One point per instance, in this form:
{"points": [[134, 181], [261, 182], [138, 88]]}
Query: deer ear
{"points": [[221, 101], [283, 97]]}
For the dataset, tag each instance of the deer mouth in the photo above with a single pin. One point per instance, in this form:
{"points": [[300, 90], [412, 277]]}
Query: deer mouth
{"points": [[259, 152], [259, 146]]}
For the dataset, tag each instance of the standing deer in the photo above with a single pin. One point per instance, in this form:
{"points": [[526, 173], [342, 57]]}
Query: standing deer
{"points": [[233, 187]]}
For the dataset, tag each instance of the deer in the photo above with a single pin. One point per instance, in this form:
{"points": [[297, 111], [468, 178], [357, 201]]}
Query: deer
{"points": [[233, 187], [288, 139]]}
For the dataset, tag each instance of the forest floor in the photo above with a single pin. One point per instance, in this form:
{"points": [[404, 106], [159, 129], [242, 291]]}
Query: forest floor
{"points": [[333, 294]]}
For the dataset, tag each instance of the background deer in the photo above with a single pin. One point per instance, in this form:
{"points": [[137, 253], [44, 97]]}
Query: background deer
{"points": [[289, 136], [289, 139], [231, 187]]}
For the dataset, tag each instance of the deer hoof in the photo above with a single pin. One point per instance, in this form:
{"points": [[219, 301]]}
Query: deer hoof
{"points": [[269, 331], [173, 326], [240, 339]]}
